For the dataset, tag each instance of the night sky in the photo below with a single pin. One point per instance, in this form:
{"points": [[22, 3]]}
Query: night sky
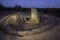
{"points": [[32, 3]]}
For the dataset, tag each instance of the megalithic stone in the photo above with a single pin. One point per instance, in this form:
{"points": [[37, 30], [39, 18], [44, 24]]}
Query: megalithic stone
{"points": [[34, 16]]}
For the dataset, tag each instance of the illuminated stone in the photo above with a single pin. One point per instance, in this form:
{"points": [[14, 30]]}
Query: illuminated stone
{"points": [[34, 16]]}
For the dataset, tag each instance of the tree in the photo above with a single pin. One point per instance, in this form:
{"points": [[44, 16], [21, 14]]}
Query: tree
{"points": [[1, 6], [17, 8]]}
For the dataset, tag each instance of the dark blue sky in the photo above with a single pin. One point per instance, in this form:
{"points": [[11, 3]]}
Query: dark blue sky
{"points": [[32, 3]]}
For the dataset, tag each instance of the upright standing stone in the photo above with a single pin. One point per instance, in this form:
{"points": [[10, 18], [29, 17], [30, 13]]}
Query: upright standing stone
{"points": [[34, 16]]}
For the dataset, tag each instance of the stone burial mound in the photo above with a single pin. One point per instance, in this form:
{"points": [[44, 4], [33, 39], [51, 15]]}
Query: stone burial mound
{"points": [[21, 25], [30, 27]]}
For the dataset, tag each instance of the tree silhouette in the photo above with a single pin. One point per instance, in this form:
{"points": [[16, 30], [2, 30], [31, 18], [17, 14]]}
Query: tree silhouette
{"points": [[17, 8], [1, 6]]}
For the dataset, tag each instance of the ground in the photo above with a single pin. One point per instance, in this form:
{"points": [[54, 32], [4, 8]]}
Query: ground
{"points": [[48, 29]]}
